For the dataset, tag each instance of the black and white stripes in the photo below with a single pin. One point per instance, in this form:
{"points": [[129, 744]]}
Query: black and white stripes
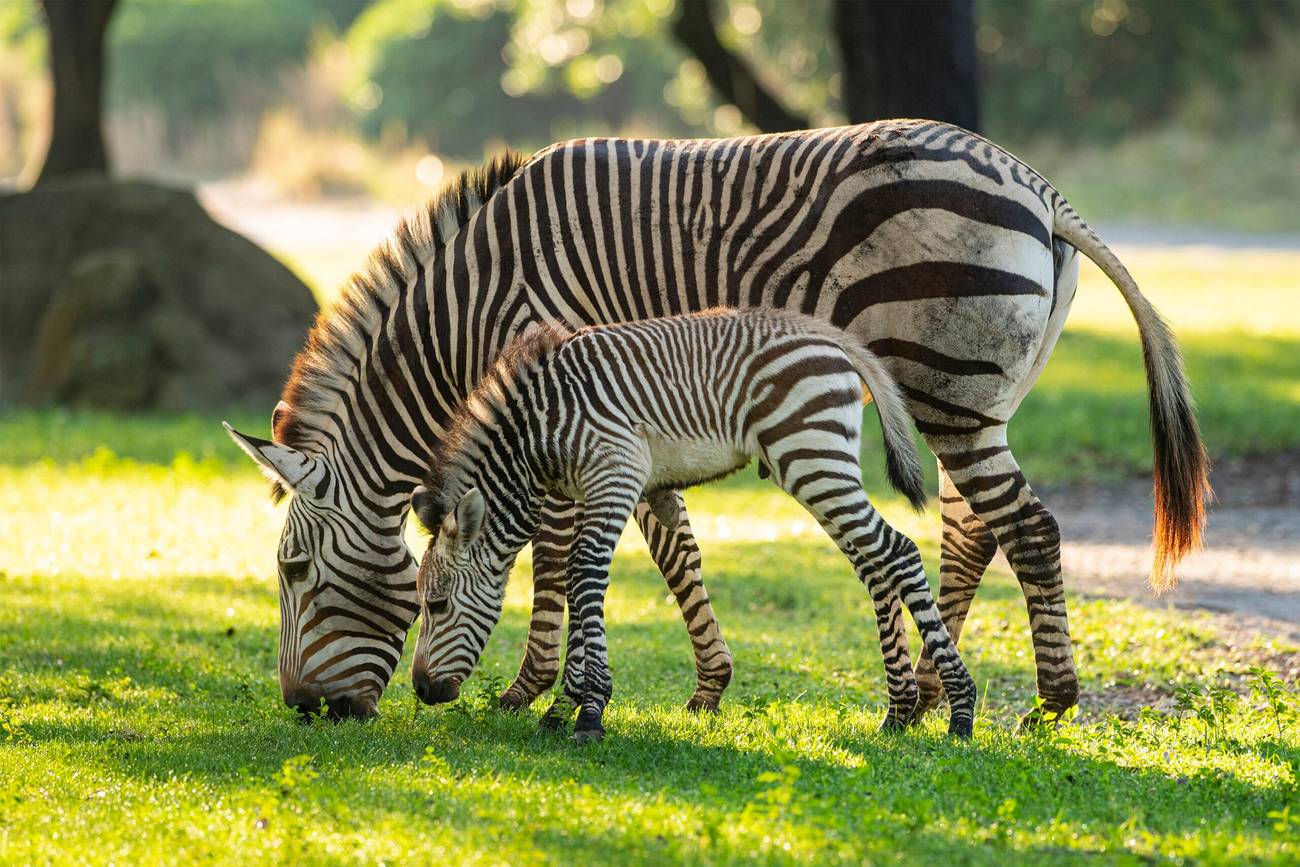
{"points": [[949, 258], [615, 413]]}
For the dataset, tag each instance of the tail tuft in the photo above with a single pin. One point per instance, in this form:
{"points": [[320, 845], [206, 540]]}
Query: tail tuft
{"points": [[1182, 481], [1181, 485], [904, 470]]}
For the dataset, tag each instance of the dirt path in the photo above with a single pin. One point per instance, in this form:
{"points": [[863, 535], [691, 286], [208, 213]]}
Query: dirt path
{"points": [[1250, 567]]}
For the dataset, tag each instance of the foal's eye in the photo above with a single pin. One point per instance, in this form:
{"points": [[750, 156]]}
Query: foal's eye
{"points": [[439, 606], [295, 570]]}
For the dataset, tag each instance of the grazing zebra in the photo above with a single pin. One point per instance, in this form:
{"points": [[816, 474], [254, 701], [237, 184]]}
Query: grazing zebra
{"points": [[952, 260], [617, 411]]}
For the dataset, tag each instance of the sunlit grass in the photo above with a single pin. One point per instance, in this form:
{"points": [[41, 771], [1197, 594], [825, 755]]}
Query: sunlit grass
{"points": [[141, 721]]}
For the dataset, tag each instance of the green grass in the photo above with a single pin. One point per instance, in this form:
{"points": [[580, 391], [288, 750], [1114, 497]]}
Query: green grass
{"points": [[140, 719], [141, 722]]}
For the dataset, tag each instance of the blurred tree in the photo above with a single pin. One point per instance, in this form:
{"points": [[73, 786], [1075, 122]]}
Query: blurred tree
{"points": [[77, 29], [909, 58], [729, 74], [1101, 69]]}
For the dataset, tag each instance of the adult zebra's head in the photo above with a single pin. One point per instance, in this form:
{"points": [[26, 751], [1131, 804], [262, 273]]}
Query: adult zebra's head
{"points": [[347, 587]]}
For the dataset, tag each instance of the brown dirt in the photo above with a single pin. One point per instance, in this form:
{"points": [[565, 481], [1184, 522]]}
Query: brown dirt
{"points": [[1249, 569]]}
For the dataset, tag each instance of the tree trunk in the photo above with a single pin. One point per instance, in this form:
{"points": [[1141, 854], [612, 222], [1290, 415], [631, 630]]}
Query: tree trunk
{"points": [[77, 29], [909, 58], [730, 76]]}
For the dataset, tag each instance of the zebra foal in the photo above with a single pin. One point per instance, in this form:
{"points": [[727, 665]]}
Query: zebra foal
{"points": [[608, 414]]}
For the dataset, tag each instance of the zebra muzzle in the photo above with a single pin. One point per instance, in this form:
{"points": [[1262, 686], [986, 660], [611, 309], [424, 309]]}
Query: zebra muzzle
{"points": [[436, 691]]}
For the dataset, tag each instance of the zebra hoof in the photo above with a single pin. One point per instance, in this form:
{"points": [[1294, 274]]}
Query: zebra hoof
{"points": [[896, 722], [588, 736], [961, 728], [701, 704], [513, 702], [1039, 719], [552, 723]]}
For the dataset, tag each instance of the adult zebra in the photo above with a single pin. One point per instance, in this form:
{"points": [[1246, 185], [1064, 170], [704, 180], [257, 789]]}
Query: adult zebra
{"points": [[948, 257]]}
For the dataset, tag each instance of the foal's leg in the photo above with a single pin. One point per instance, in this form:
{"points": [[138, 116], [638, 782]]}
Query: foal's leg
{"points": [[968, 548], [562, 708], [541, 661], [678, 558], [888, 563], [609, 504]]}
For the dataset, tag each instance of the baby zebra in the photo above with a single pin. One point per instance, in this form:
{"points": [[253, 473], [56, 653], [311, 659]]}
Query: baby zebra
{"points": [[608, 412]]}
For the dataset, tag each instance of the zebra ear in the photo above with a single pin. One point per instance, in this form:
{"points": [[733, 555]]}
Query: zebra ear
{"points": [[281, 413], [423, 504], [288, 467], [463, 526]]}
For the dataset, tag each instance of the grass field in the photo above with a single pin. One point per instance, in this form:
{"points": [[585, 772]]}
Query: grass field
{"points": [[140, 719]]}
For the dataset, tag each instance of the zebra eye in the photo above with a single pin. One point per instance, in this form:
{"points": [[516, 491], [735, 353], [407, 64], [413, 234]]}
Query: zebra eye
{"points": [[439, 606], [294, 570]]}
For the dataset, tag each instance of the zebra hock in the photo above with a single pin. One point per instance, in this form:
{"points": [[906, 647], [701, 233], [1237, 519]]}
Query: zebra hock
{"points": [[611, 413]]}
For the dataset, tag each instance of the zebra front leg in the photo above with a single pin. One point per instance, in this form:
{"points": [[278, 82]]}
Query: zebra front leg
{"points": [[678, 558], [968, 548], [559, 715], [1028, 534], [609, 504], [541, 661]]}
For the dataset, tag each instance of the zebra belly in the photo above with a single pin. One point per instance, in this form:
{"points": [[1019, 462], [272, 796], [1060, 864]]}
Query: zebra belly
{"points": [[683, 462]]}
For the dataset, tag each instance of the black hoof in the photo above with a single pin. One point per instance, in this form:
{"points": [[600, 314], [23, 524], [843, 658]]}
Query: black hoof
{"points": [[698, 704], [892, 725], [513, 702], [552, 723], [961, 728], [588, 736], [1040, 719]]}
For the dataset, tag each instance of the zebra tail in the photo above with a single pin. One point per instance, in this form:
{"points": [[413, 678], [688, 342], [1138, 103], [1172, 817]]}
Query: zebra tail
{"points": [[1181, 466], [901, 460]]}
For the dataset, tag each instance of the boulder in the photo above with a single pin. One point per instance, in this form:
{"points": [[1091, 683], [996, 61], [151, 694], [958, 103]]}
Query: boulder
{"points": [[127, 295]]}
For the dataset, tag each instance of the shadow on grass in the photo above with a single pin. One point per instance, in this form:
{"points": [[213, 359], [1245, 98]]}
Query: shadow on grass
{"points": [[712, 768]]}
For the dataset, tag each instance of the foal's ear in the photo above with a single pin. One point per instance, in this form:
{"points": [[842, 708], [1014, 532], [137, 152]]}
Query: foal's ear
{"points": [[423, 505], [301, 473], [463, 526]]}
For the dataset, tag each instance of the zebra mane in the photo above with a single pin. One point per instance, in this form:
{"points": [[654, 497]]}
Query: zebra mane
{"points": [[339, 342], [491, 392]]}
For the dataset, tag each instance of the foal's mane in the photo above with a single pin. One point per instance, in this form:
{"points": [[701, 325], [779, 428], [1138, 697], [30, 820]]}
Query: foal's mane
{"points": [[488, 396], [339, 342]]}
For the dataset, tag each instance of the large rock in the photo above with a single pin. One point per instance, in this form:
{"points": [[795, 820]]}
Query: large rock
{"points": [[128, 295]]}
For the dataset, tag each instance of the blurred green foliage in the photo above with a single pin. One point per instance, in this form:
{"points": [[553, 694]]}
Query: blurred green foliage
{"points": [[1104, 68], [192, 81]]}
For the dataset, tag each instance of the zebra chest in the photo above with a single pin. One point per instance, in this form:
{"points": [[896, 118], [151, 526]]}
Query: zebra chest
{"points": [[682, 462]]}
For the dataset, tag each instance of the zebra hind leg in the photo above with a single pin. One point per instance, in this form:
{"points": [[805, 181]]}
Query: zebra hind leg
{"points": [[1029, 536], [968, 548], [889, 564], [541, 661], [678, 558]]}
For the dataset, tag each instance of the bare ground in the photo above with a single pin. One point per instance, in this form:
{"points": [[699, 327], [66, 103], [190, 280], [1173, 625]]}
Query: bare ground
{"points": [[1250, 567], [1248, 574]]}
